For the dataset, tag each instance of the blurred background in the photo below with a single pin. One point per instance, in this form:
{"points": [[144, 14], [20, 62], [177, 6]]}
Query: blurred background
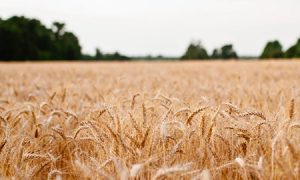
{"points": [[144, 29]]}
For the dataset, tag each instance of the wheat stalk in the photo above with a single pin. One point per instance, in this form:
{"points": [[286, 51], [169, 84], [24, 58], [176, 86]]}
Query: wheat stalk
{"points": [[292, 109], [188, 121]]}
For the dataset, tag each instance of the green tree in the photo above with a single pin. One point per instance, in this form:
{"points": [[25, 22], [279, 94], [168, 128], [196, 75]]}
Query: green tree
{"points": [[225, 52], [98, 55], [66, 43], [28, 39], [273, 50], [22, 38], [294, 51], [115, 56], [195, 51], [70, 47], [228, 52], [216, 54]]}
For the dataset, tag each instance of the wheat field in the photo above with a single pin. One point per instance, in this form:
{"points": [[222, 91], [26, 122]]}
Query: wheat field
{"points": [[142, 120]]}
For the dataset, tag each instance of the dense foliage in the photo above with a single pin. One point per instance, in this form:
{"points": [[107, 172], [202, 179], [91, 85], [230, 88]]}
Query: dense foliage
{"points": [[22, 38], [198, 51], [225, 52], [294, 51], [28, 39], [273, 49], [195, 51]]}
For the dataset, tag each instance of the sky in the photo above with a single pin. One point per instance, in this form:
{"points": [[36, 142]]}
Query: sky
{"points": [[166, 27]]}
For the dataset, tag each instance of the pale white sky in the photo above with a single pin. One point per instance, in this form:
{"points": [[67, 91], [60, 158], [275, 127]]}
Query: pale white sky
{"points": [[139, 27]]}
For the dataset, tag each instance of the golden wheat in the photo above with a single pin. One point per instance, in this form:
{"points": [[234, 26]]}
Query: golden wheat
{"points": [[180, 120]]}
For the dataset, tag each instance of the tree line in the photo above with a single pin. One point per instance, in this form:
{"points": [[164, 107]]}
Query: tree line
{"points": [[105, 56], [197, 51], [23, 38], [29, 39], [272, 50]]}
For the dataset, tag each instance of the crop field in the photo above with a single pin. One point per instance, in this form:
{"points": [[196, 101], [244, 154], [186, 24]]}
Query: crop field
{"points": [[143, 120]]}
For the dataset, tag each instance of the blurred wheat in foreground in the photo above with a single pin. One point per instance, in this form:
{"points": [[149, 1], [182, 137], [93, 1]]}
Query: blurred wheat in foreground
{"points": [[232, 120]]}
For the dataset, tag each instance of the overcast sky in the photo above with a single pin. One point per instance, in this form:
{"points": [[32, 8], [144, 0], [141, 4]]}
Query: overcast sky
{"points": [[138, 27]]}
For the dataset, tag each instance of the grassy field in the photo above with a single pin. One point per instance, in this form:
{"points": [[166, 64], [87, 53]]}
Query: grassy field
{"points": [[201, 120]]}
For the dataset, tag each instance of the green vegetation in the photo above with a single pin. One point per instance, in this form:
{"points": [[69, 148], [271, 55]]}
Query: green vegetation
{"points": [[273, 50], [28, 39], [195, 51], [294, 51], [23, 38], [225, 52], [105, 56]]}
